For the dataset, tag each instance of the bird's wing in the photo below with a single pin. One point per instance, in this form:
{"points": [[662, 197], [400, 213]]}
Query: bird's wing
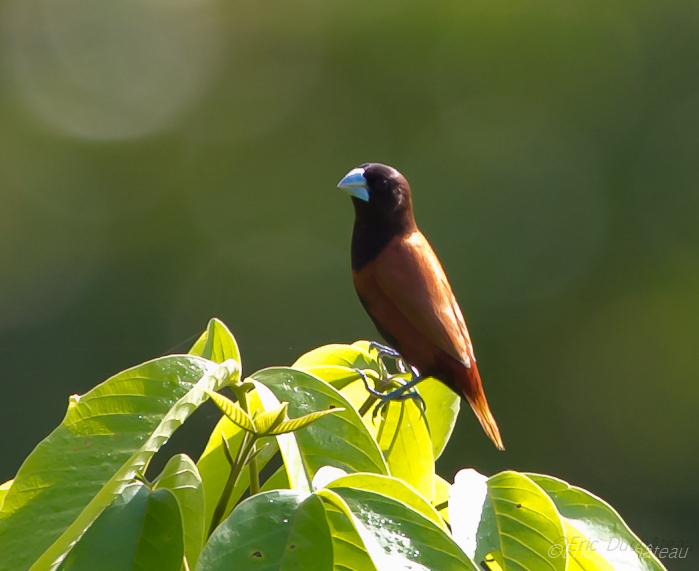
{"points": [[410, 275]]}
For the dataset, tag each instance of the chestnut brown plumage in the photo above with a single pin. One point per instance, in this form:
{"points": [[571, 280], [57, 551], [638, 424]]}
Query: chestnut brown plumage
{"points": [[403, 288]]}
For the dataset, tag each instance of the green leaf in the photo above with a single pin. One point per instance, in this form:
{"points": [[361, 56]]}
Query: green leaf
{"points": [[339, 377], [598, 523], [265, 422], [441, 497], [232, 410], [339, 440], [508, 516], [527, 524], [443, 406], [582, 554], [181, 477], [405, 441], [350, 384], [280, 529], [398, 537], [295, 424], [3, 491], [349, 552], [214, 467], [393, 488], [142, 529], [106, 438], [217, 344], [341, 355]]}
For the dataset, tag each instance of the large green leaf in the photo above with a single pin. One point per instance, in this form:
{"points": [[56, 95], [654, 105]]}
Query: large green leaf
{"points": [[351, 385], [181, 477], [522, 523], [508, 517], [217, 344], [214, 467], [140, 531], [398, 537], [600, 529], [405, 442], [350, 356], [443, 406], [339, 440], [581, 554], [339, 377], [106, 438], [280, 529], [349, 553], [391, 487]]}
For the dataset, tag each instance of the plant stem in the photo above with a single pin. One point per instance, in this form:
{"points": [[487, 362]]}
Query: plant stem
{"points": [[253, 468], [246, 448], [368, 403]]}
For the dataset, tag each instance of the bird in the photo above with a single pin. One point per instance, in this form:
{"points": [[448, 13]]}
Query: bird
{"points": [[402, 286]]}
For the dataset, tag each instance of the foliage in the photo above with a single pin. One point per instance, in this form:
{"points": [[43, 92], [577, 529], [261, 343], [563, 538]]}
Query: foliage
{"points": [[354, 490]]}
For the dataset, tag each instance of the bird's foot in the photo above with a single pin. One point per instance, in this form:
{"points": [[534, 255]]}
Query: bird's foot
{"points": [[386, 351], [398, 395], [402, 393]]}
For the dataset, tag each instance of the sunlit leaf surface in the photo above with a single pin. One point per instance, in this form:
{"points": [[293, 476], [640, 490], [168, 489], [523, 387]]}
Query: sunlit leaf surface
{"points": [[393, 488], [405, 441], [349, 552], [521, 523], [217, 344], [353, 357], [232, 411], [595, 523], [398, 537]]}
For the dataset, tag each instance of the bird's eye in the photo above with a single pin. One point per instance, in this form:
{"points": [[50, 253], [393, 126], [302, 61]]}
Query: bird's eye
{"points": [[382, 184]]}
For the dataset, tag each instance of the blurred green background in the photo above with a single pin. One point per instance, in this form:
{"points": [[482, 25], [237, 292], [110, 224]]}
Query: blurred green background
{"points": [[166, 161]]}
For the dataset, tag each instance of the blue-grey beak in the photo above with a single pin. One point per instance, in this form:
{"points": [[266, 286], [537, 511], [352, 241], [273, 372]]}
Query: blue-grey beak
{"points": [[355, 183]]}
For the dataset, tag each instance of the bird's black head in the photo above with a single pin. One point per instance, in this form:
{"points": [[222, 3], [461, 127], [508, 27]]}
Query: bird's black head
{"points": [[380, 193], [383, 209]]}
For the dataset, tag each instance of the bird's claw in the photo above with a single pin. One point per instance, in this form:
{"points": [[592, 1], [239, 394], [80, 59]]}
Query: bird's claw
{"points": [[386, 351], [387, 398]]}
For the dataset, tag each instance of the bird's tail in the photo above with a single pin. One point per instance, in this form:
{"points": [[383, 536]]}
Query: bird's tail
{"points": [[473, 391]]}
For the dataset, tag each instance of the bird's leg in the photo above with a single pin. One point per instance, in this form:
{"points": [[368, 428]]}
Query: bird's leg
{"points": [[400, 394], [365, 380], [403, 393], [386, 351]]}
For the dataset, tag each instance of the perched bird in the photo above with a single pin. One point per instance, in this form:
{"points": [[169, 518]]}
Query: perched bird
{"points": [[403, 288]]}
